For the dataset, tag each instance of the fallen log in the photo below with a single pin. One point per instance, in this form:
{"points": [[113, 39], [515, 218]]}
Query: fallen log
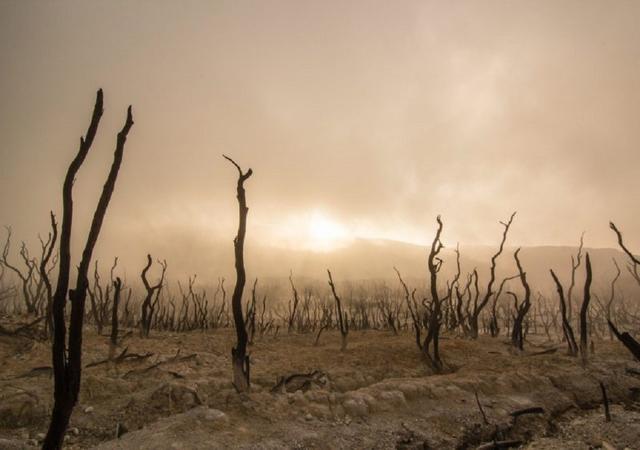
{"points": [[524, 411], [627, 340]]}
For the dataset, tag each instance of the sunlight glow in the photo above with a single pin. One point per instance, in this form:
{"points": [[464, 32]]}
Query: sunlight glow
{"points": [[325, 234], [313, 230]]}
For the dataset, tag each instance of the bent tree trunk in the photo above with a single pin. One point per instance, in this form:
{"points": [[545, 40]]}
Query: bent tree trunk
{"points": [[239, 358], [67, 365], [477, 308]]}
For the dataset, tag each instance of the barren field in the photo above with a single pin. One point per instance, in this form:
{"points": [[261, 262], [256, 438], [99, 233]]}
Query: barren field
{"points": [[174, 392]]}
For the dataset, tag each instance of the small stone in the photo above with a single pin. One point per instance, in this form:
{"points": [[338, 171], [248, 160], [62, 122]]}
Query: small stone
{"points": [[356, 407], [40, 436], [308, 417], [214, 417], [74, 431], [88, 409]]}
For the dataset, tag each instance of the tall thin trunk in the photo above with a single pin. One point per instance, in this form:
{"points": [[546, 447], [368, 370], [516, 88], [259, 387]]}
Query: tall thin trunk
{"points": [[239, 358]]}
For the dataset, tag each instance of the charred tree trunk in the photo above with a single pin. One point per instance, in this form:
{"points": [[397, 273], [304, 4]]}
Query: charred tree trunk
{"points": [[434, 319], [584, 311], [627, 340], [117, 285], [239, 358], [517, 335], [44, 274], [148, 304], [67, 365], [494, 327], [566, 325], [634, 265], [413, 310], [473, 317], [343, 323], [296, 300]]}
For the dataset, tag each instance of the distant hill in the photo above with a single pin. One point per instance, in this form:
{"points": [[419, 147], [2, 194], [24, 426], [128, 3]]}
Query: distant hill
{"points": [[368, 259]]}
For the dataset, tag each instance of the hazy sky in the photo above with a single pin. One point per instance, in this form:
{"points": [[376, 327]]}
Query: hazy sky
{"points": [[358, 118]]}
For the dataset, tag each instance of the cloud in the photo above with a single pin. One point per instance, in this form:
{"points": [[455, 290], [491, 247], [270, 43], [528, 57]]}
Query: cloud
{"points": [[382, 114]]}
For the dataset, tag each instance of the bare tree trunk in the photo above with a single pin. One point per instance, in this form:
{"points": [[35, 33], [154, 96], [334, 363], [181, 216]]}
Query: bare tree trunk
{"points": [[566, 325], [239, 358], [434, 319], [634, 267], [343, 323], [148, 306], [44, 274], [292, 310], [627, 340], [67, 366], [117, 285], [517, 336], [473, 317], [584, 334], [575, 264]]}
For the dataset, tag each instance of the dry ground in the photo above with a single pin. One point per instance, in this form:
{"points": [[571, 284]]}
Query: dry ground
{"points": [[378, 394]]}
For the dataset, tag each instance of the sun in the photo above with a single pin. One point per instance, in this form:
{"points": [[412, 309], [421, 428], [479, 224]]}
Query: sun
{"points": [[324, 233], [312, 229]]}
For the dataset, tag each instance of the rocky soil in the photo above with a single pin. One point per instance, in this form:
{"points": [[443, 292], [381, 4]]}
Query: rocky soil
{"points": [[173, 391]]}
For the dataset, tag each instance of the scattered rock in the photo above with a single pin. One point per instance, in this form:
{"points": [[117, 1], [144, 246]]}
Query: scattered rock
{"points": [[356, 407], [211, 416]]}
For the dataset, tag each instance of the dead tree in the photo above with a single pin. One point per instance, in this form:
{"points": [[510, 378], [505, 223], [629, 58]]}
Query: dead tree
{"points": [[612, 294], [627, 340], [453, 320], [239, 358], [26, 276], [412, 306], [343, 323], [296, 300], [494, 328], [6, 292], [634, 265], [473, 317], [567, 330], [576, 261], [151, 298], [67, 362], [517, 335], [117, 286], [44, 272], [584, 334], [433, 318], [100, 299]]}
